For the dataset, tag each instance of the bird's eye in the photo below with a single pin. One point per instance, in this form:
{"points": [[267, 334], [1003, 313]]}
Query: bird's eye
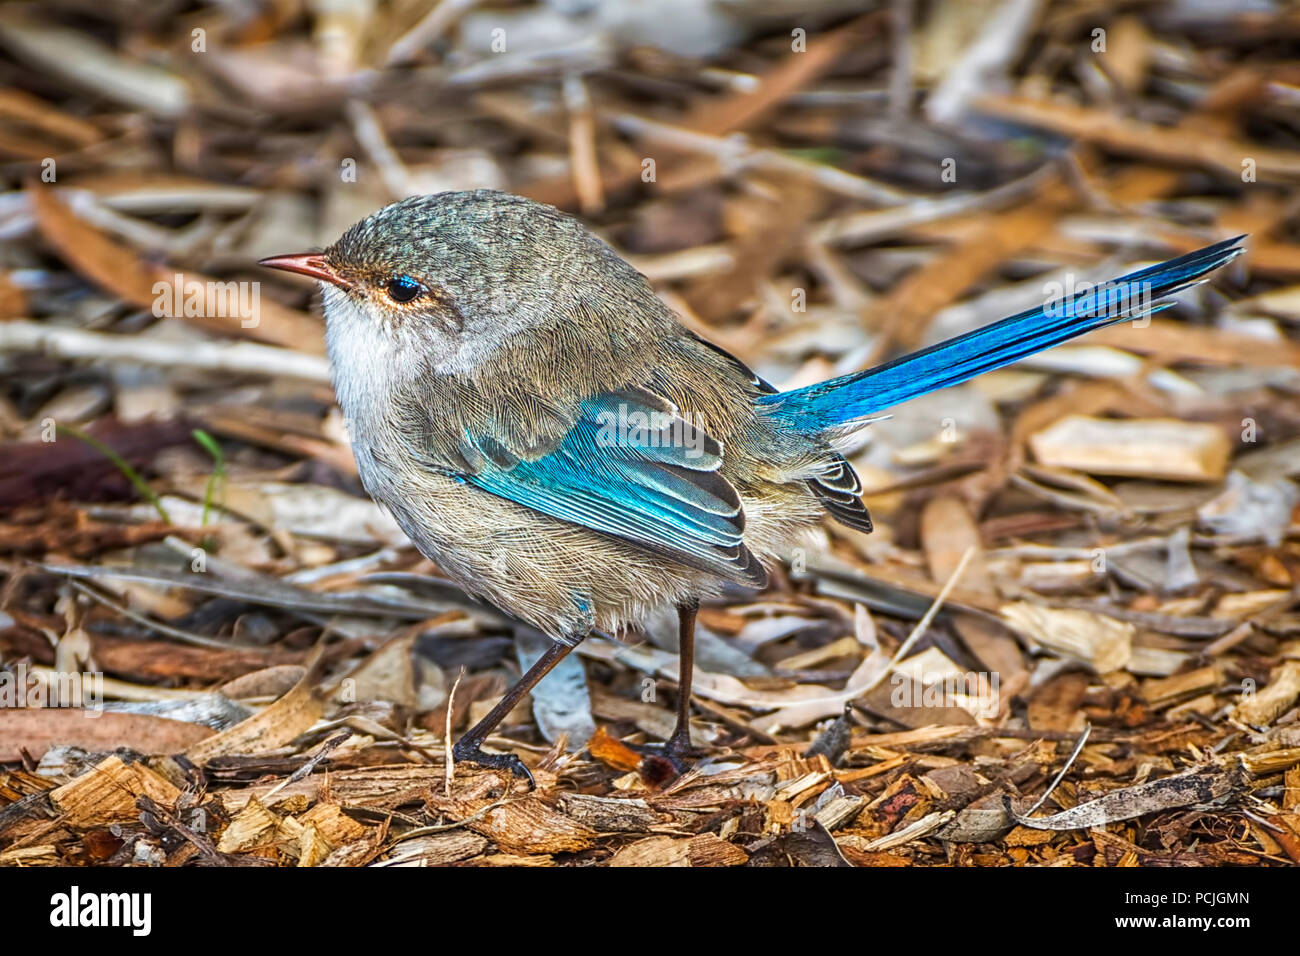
{"points": [[403, 288]]}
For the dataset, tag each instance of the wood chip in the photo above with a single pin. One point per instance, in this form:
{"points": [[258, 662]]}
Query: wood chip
{"points": [[107, 792], [1281, 691], [1148, 448]]}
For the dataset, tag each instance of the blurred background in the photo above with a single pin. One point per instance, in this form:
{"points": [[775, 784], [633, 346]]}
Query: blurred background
{"points": [[816, 185]]}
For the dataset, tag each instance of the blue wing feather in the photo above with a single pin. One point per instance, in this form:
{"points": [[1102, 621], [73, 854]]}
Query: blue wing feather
{"points": [[657, 487]]}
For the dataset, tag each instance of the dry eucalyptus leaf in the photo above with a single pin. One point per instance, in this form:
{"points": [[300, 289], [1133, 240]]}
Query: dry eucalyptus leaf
{"points": [[1103, 643], [1203, 785]]}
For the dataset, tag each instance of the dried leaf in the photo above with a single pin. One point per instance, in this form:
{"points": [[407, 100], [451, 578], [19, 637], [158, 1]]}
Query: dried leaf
{"points": [[36, 730]]}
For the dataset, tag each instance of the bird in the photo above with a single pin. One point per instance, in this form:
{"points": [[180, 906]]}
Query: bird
{"points": [[545, 430]]}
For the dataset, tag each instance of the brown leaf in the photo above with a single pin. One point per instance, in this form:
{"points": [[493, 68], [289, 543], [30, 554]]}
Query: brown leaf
{"points": [[38, 729], [111, 265], [612, 752], [273, 727], [1114, 131]]}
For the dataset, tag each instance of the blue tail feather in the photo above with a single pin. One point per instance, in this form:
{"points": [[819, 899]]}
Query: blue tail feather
{"points": [[853, 398]]}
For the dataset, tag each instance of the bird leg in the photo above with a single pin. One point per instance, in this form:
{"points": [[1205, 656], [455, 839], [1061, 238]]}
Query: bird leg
{"points": [[679, 744], [469, 748]]}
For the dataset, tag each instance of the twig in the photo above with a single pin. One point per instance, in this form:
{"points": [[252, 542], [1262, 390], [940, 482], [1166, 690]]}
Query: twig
{"points": [[923, 624], [582, 146], [24, 335], [431, 26], [450, 762], [1078, 747], [327, 748], [199, 640]]}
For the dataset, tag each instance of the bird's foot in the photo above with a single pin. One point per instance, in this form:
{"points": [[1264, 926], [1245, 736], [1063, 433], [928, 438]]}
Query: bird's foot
{"points": [[470, 751], [676, 753]]}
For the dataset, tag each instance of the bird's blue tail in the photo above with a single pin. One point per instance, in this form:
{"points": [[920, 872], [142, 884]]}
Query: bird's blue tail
{"points": [[853, 398]]}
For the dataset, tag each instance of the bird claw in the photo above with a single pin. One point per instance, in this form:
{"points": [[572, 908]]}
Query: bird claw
{"points": [[676, 751], [471, 752]]}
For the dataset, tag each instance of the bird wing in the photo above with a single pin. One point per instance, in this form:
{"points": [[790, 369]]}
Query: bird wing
{"points": [[839, 489], [631, 467]]}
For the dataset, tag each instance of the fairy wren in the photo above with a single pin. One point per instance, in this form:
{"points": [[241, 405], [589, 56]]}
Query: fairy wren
{"points": [[542, 427]]}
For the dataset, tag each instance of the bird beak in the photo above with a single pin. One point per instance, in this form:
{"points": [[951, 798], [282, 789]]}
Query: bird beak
{"points": [[307, 264]]}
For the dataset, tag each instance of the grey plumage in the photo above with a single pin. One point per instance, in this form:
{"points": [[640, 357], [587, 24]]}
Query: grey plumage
{"points": [[527, 316]]}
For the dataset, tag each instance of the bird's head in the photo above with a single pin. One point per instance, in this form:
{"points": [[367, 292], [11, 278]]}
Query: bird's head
{"points": [[453, 275]]}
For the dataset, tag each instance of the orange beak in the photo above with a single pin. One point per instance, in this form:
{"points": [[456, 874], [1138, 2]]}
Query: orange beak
{"points": [[307, 264]]}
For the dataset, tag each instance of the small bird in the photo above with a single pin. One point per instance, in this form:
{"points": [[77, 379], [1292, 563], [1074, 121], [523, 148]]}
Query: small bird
{"points": [[544, 429]]}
